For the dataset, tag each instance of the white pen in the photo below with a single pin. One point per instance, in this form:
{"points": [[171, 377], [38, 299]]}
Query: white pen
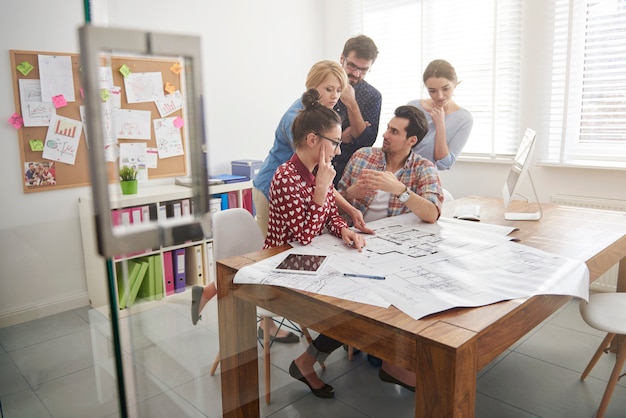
{"points": [[364, 276]]}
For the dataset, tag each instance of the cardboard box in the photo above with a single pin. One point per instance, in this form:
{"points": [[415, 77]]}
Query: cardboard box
{"points": [[248, 168]]}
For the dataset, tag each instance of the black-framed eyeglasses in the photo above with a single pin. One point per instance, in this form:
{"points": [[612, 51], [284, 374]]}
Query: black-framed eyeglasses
{"points": [[335, 142], [352, 68]]}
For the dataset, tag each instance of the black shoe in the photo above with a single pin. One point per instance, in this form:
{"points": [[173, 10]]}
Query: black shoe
{"points": [[325, 392], [386, 377], [196, 295], [374, 361], [288, 339]]}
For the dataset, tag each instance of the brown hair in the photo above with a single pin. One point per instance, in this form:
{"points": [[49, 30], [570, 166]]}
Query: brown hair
{"points": [[363, 47], [418, 126], [440, 69], [315, 117]]}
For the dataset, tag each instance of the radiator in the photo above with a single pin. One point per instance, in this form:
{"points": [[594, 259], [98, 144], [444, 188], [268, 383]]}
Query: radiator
{"points": [[608, 281]]}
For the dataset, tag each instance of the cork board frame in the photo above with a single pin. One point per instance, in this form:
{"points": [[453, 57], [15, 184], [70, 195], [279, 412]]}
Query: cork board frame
{"points": [[77, 175]]}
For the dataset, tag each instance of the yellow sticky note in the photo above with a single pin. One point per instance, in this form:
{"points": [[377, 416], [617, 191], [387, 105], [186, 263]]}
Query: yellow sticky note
{"points": [[25, 67], [125, 70], [36, 144], [176, 68], [170, 88], [104, 94]]}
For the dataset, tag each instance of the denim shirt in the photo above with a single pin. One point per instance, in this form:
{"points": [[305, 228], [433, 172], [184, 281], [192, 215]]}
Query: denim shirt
{"points": [[281, 151]]}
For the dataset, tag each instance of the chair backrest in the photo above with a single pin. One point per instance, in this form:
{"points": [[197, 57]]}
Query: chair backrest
{"points": [[447, 196], [235, 232]]}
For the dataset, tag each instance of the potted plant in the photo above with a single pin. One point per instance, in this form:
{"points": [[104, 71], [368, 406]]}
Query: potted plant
{"points": [[128, 179]]}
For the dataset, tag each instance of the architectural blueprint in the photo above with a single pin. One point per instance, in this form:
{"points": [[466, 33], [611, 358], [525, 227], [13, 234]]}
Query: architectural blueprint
{"points": [[429, 268]]}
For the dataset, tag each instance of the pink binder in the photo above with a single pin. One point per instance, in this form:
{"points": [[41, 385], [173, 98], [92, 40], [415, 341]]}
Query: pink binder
{"points": [[168, 272]]}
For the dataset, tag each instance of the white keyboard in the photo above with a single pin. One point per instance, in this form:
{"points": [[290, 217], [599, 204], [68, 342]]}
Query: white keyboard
{"points": [[468, 212]]}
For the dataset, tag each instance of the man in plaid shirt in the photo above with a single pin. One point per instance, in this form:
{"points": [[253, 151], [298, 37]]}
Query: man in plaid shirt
{"points": [[392, 180]]}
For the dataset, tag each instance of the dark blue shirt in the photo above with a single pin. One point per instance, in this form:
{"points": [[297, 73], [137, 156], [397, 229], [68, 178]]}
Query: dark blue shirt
{"points": [[369, 100]]}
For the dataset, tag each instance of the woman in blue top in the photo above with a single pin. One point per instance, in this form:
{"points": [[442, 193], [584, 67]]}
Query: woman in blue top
{"points": [[449, 125], [329, 79]]}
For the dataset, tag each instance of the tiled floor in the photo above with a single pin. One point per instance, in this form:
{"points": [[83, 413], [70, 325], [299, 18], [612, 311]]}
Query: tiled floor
{"points": [[62, 366]]}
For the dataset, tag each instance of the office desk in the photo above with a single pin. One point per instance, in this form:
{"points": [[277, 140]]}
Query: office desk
{"points": [[447, 349]]}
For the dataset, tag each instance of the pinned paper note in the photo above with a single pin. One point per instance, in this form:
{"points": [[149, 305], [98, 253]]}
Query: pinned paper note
{"points": [[178, 122], [168, 139], [36, 144], [62, 139], [169, 87], [170, 103], [104, 94], [34, 111], [59, 101], [176, 68], [25, 67], [144, 87], [125, 70], [16, 120], [56, 77]]}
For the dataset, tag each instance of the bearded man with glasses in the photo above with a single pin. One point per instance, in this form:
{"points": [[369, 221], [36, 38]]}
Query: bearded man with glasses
{"points": [[360, 103]]}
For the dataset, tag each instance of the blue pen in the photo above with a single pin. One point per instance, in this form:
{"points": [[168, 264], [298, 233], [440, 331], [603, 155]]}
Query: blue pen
{"points": [[364, 276]]}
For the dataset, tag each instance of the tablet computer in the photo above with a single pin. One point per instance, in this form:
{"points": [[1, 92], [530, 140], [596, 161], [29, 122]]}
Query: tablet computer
{"points": [[301, 264]]}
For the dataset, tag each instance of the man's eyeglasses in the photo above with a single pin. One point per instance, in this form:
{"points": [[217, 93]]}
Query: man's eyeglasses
{"points": [[352, 68], [333, 141]]}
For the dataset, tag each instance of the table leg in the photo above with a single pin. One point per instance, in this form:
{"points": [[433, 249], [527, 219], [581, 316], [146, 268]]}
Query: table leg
{"points": [[446, 374], [238, 350]]}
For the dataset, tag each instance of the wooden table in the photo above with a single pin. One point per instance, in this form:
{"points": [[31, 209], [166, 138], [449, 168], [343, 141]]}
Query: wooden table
{"points": [[448, 349]]}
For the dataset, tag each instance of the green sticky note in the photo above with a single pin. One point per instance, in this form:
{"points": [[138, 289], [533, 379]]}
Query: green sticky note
{"points": [[104, 94], [25, 68], [36, 144], [125, 70]]}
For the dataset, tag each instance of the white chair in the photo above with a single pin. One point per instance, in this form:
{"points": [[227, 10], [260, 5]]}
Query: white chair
{"points": [[447, 196], [606, 312], [235, 232]]}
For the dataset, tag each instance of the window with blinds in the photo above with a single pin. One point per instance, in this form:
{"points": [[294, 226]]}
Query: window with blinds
{"points": [[480, 38], [587, 124]]}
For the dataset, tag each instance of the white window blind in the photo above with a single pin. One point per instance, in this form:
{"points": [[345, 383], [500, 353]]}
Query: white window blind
{"points": [[480, 38], [588, 104]]}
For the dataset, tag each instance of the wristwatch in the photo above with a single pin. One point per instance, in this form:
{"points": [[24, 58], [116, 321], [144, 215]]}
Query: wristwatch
{"points": [[404, 196]]}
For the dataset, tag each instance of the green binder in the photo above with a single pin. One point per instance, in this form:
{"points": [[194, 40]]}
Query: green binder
{"points": [[135, 282], [124, 287]]}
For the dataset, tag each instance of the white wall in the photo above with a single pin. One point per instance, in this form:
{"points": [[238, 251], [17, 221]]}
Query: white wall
{"points": [[255, 59], [256, 55]]}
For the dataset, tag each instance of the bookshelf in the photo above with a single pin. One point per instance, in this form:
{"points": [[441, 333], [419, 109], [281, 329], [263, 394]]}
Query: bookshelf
{"points": [[152, 198]]}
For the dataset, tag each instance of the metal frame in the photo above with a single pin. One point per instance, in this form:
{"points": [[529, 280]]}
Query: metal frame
{"points": [[96, 41]]}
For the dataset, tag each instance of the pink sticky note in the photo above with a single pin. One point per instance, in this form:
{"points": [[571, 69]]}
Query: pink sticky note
{"points": [[82, 93], [179, 122], [16, 120], [59, 101]]}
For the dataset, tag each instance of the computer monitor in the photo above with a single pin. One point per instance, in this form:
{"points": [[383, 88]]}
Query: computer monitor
{"points": [[519, 170]]}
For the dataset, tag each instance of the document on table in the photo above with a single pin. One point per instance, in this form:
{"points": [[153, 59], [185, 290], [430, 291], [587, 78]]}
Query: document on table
{"points": [[430, 267]]}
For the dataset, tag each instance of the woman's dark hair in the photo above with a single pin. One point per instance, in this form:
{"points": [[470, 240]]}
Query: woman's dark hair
{"points": [[417, 126], [440, 69], [315, 117]]}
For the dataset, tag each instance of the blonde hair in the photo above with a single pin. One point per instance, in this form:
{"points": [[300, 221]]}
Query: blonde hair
{"points": [[321, 70]]}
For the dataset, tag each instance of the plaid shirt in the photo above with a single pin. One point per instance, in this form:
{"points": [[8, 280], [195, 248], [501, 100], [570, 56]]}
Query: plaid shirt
{"points": [[418, 174]]}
